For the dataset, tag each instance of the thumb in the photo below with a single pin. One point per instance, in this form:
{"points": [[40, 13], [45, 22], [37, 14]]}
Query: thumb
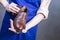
{"points": [[11, 23], [12, 29]]}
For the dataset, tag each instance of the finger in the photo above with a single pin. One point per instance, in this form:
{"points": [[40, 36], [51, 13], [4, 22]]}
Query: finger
{"points": [[11, 9], [24, 31], [14, 9], [13, 30], [15, 6], [11, 23], [21, 27]]}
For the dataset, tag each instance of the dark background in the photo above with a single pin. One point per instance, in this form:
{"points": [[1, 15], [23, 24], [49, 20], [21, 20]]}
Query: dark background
{"points": [[48, 29]]}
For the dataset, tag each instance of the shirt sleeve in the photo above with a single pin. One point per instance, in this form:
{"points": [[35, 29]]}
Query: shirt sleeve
{"points": [[43, 9]]}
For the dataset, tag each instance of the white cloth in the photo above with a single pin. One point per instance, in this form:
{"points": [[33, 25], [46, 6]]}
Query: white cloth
{"points": [[44, 7]]}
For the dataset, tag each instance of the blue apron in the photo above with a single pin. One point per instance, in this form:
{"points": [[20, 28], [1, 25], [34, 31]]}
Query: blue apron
{"points": [[6, 34]]}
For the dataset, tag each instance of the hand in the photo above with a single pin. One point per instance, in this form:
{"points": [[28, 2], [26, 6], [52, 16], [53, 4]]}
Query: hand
{"points": [[12, 8], [12, 28]]}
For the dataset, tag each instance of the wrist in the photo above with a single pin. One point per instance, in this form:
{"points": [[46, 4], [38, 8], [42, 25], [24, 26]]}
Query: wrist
{"points": [[41, 14], [32, 23], [4, 3]]}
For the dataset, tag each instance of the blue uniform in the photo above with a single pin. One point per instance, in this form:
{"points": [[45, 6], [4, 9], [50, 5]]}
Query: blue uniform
{"points": [[6, 34]]}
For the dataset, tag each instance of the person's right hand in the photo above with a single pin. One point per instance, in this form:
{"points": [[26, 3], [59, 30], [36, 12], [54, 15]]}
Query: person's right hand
{"points": [[12, 8]]}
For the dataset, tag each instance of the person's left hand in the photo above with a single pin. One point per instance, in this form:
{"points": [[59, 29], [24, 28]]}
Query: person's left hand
{"points": [[12, 28]]}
